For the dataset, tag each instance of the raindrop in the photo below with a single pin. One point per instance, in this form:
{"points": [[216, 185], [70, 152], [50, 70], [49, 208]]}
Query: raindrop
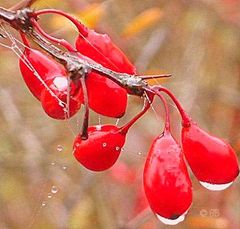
{"points": [[215, 187], [171, 221], [98, 127], [49, 195], [59, 148], [44, 203], [54, 189], [104, 144], [117, 122]]}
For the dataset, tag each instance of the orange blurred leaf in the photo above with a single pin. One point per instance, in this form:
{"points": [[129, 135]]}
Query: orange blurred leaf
{"points": [[142, 22]]}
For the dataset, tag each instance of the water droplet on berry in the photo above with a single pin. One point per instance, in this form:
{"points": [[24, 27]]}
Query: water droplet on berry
{"points": [[215, 187], [44, 203], [59, 148], [104, 144], [61, 83], [171, 221], [98, 127], [49, 195], [54, 189], [117, 148]]}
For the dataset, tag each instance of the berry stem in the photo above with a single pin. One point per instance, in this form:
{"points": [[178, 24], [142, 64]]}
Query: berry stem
{"points": [[24, 39], [81, 28], [84, 132], [147, 104], [167, 113], [186, 120], [62, 42]]}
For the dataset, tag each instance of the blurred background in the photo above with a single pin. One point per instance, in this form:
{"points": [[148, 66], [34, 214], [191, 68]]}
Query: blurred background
{"points": [[43, 186]]}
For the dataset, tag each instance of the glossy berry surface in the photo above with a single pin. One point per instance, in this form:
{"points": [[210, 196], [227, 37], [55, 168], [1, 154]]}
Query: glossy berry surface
{"points": [[211, 159], [102, 148], [105, 96], [55, 102], [45, 66], [166, 181]]}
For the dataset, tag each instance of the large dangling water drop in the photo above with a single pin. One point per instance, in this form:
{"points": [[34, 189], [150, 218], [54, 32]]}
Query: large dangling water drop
{"points": [[171, 221], [215, 187]]}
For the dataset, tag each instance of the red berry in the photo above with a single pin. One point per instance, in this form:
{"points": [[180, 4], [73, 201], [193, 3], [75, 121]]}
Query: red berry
{"points": [[212, 160], [45, 66], [101, 49], [102, 148], [55, 100], [105, 96], [166, 181]]}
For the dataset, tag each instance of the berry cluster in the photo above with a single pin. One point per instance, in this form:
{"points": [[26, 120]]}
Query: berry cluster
{"points": [[167, 183]]}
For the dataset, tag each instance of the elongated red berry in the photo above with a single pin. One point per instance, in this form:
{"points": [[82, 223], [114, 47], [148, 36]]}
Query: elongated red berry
{"points": [[212, 160], [42, 68], [55, 100], [105, 96], [102, 148], [101, 49], [166, 181]]}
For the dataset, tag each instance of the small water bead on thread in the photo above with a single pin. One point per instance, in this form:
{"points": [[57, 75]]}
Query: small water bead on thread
{"points": [[54, 189], [104, 144], [59, 148], [49, 195], [44, 204], [64, 167], [53, 163], [139, 153], [98, 127], [171, 221], [215, 187], [117, 121]]}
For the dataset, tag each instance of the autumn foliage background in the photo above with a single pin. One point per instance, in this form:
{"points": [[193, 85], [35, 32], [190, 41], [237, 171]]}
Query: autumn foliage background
{"points": [[43, 186]]}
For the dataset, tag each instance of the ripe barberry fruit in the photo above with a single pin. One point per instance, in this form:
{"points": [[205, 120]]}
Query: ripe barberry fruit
{"points": [[55, 101], [102, 148], [43, 68], [212, 160], [105, 96], [166, 181]]}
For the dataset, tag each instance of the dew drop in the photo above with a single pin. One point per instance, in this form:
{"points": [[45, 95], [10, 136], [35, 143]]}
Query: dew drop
{"points": [[215, 187], [64, 167], [117, 122], [98, 127], [53, 163], [49, 195], [117, 148], [140, 153], [60, 82], [44, 203], [171, 221], [104, 144], [54, 189], [59, 148]]}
